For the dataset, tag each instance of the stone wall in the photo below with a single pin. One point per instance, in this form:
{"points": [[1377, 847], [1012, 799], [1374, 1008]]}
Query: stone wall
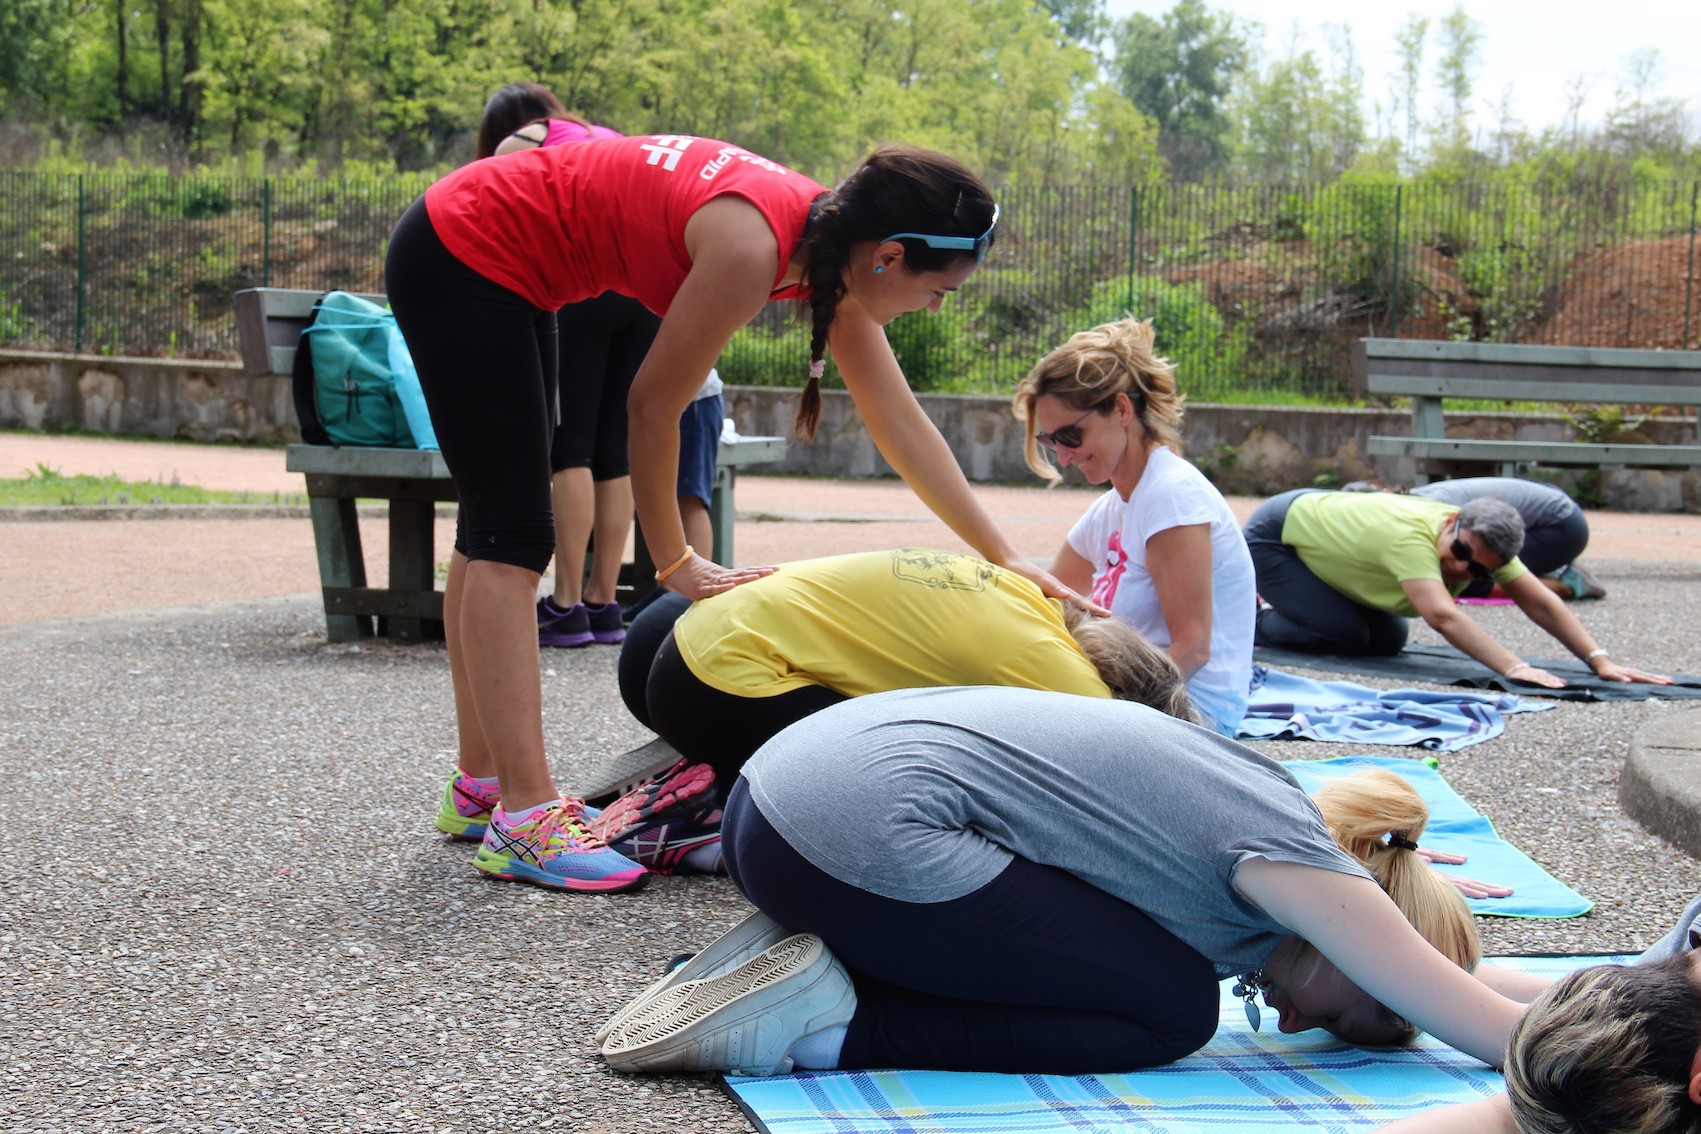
{"points": [[1251, 450]]}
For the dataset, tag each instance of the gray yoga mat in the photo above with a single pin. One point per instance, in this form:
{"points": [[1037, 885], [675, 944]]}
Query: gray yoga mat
{"points": [[1444, 665]]}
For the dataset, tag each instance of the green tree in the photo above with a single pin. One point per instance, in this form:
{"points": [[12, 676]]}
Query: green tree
{"points": [[1454, 71], [1302, 122], [1408, 41], [1179, 71]]}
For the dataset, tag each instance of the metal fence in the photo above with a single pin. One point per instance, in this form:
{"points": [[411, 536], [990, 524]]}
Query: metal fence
{"points": [[1256, 293]]}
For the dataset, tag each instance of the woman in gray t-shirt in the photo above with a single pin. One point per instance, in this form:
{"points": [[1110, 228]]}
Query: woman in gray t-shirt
{"points": [[1022, 881]]}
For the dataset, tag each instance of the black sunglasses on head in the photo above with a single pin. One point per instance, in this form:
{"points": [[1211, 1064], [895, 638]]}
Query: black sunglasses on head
{"points": [[1462, 552], [1065, 436]]}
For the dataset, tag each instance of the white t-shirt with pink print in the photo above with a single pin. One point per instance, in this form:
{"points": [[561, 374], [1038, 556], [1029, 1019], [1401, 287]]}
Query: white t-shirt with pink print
{"points": [[1112, 536]]}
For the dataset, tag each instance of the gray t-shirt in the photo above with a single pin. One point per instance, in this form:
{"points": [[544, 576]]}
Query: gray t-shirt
{"points": [[1538, 504], [924, 795]]}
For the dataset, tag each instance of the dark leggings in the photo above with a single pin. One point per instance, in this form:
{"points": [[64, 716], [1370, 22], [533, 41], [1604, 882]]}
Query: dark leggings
{"points": [[604, 342], [703, 724], [1035, 972], [482, 353], [1308, 613]]}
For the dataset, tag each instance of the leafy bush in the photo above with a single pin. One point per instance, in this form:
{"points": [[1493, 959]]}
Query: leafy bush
{"points": [[1209, 356]]}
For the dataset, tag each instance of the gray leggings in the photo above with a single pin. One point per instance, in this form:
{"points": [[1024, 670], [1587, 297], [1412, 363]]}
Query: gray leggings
{"points": [[1307, 613]]}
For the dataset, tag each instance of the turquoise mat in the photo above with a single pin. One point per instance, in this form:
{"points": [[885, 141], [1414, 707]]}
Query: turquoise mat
{"points": [[1457, 827], [1243, 1081]]}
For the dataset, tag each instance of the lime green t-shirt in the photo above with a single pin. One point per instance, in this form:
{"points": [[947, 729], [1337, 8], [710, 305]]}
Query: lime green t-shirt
{"points": [[1365, 544], [874, 621]]}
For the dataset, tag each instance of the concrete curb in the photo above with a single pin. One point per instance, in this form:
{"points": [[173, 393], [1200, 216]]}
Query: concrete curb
{"points": [[50, 513], [1660, 786]]}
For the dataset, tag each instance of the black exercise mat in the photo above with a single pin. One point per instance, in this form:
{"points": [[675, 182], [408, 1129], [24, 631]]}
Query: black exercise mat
{"points": [[1444, 665]]}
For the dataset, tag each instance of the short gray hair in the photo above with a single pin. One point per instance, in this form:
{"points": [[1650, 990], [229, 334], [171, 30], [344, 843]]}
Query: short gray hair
{"points": [[1497, 522]]}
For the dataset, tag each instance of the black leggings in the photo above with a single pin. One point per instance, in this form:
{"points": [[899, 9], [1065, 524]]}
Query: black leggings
{"points": [[702, 723], [483, 354], [1035, 972], [1308, 613], [604, 341]]}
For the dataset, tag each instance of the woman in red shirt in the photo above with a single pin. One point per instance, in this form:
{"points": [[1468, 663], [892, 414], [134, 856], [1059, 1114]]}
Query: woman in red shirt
{"points": [[704, 233]]}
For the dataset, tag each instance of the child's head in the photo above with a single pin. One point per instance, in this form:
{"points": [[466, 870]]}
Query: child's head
{"points": [[1133, 668]]}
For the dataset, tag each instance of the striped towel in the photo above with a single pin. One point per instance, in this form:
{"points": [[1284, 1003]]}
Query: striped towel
{"points": [[1242, 1082]]}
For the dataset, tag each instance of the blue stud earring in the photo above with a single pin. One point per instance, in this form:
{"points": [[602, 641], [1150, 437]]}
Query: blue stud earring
{"points": [[878, 270]]}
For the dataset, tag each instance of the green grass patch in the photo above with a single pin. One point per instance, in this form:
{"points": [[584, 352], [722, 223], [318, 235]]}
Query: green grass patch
{"points": [[47, 486]]}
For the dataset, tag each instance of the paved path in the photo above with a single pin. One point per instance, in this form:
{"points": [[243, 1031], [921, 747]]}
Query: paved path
{"points": [[226, 909]]}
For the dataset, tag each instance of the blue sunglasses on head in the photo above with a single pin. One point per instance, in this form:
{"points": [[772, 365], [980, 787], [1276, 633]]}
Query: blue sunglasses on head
{"points": [[976, 244]]}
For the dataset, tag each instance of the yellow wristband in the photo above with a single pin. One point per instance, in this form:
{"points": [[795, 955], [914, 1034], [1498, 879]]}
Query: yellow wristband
{"points": [[661, 576]]}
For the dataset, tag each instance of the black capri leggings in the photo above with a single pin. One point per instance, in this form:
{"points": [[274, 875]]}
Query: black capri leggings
{"points": [[1037, 972], [1308, 614], [483, 354], [703, 724], [604, 341]]}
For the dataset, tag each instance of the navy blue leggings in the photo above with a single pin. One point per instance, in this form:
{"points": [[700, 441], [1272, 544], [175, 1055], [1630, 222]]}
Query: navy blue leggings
{"points": [[1035, 972], [1308, 614], [487, 365]]}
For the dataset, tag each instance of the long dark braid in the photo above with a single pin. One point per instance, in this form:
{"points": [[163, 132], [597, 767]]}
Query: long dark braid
{"points": [[897, 189]]}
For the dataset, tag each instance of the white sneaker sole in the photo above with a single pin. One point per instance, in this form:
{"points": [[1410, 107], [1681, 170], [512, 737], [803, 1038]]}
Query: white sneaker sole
{"points": [[743, 1022], [737, 945]]}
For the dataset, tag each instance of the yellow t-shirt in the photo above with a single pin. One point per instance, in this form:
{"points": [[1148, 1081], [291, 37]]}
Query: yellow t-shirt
{"points": [[1364, 544], [881, 620]]}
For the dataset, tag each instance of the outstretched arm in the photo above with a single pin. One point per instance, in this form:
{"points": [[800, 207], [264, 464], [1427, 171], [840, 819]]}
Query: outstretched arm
{"points": [[1446, 618], [1545, 609], [908, 439], [1485, 1116], [1360, 930]]}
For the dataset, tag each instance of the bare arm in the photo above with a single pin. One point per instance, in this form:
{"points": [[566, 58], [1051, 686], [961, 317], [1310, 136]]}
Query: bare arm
{"points": [[1072, 569], [907, 438], [525, 138], [1358, 928], [1545, 609], [1522, 987], [1179, 560], [1437, 608], [734, 260], [1484, 1116]]}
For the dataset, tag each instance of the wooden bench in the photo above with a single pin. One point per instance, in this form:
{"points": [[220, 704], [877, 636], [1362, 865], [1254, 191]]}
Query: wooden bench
{"points": [[269, 323], [1429, 370]]}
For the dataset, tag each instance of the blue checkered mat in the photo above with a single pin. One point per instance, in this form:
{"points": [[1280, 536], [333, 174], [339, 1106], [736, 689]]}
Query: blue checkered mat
{"points": [[1456, 826], [1243, 1081]]}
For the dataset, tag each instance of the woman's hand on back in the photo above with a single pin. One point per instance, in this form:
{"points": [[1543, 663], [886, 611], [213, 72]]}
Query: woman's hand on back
{"points": [[700, 578], [1052, 587]]}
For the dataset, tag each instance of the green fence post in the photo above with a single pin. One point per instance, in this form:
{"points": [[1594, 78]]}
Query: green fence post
{"points": [[81, 263], [1689, 276], [1133, 236], [266, 233], [1394, 312]]}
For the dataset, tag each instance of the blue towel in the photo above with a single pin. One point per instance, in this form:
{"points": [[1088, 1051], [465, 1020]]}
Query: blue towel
{"points": [[1242, 1081], [1286, 706], [1455, 826]]}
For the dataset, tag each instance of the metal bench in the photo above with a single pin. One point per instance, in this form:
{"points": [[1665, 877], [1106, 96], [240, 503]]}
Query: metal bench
{"points": [[269, 323], [1429, 370]]}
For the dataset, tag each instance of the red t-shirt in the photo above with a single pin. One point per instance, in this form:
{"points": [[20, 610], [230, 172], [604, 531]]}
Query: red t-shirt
{"points": [[560, 224]]}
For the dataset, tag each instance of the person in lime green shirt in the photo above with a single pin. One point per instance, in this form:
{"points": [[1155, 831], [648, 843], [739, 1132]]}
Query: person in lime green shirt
{"points": [[1341, 572]]}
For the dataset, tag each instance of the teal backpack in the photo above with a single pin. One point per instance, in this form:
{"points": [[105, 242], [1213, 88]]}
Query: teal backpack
{"points": [[354, 382]]}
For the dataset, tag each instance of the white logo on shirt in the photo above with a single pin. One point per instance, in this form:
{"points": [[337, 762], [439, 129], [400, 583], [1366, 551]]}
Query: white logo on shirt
{"points": [[728, 154], [666, 149]]}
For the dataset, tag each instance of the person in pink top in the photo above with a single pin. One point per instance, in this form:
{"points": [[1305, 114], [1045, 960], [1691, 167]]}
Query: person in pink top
{"points": [[604, 339], [703, 233]]}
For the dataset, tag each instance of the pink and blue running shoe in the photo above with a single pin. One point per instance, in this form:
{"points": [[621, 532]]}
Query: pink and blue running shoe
{"points": [[466, 807], [554, 849]]}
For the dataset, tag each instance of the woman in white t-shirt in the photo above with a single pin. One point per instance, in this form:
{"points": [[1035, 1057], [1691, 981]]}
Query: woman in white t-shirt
{"points": [[1161, 548]]}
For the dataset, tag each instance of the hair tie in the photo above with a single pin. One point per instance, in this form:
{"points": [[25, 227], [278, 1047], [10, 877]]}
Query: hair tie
{"points": [[1403, 844], [817, 368]]}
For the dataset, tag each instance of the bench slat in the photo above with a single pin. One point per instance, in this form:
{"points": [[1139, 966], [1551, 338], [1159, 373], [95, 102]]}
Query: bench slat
{"points": [[1524, 354], [1496, 384], [1537, 452]]}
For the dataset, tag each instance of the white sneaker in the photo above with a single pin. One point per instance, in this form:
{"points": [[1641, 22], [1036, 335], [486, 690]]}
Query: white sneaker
{"points": [[731, 949], [743, 1022]]}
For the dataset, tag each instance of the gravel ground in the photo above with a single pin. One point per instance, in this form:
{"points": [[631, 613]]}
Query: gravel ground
{"points": [[248, 923]]}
